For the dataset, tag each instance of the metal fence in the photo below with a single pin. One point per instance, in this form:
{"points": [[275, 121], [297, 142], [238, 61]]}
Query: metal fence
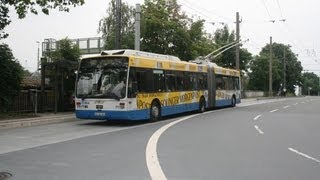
{"points": [[25, 102]]}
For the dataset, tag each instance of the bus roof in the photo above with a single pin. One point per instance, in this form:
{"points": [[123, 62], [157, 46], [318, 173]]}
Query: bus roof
{"points": [[130, 52]]}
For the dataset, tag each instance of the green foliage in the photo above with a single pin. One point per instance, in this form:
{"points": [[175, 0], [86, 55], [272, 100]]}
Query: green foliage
{"points": [[164, 29], [65, 58], [4, 20], [259, 66], [11, 76], [201, 43], [310, 81], [66, 52], [107, 26], [23, 7]]}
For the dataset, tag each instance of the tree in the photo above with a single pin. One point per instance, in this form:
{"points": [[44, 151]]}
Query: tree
{"points": [[64, 63], [11, 76], [107, 26], [164, 29], [224, 37], [259, 75], [310, 82], [201, 42], [23, 7]]}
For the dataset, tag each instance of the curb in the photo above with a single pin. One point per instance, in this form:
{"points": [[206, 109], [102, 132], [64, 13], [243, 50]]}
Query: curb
{"points": [[16, 123]]}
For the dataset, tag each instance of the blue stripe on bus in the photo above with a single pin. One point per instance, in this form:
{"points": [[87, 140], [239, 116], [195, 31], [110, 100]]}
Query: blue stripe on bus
{"points": [[113, 115], [135, 114], [224, 102]]}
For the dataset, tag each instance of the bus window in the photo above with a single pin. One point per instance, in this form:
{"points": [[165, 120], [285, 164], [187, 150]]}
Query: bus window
{"points": [[170, 79], [180, 84], [202, 79], [236, 83], [226, 82], [158, 80], [140, 80], [219, 83], [194, 81], [187, 81]]}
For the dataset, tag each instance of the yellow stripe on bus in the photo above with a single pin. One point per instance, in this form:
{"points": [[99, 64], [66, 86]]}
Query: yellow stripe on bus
{"points": [[144, 100], [166, 65]]}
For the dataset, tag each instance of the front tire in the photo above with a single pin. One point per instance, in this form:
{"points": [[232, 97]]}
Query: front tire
{"points": [[155, 112]]}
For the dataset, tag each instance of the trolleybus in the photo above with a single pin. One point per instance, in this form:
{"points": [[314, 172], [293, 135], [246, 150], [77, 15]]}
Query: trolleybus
{"points": [[137, 85]]}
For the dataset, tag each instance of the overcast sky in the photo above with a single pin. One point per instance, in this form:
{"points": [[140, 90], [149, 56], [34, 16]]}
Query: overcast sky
{"points": [[300, 28]]}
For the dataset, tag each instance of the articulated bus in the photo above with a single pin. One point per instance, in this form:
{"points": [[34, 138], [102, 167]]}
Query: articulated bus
{"points": [[137, 85]]}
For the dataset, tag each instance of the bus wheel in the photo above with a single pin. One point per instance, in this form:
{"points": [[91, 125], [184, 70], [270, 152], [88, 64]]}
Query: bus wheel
{"points": [[233, 101], [202, 105], [155, 111]]}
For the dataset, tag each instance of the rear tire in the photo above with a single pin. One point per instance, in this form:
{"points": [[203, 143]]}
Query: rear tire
{"points": [[202, 105], [155, 111], [233, 101]]}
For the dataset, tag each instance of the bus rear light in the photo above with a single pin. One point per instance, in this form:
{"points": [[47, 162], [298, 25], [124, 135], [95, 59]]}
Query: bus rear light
{"points": [[122, 105]]}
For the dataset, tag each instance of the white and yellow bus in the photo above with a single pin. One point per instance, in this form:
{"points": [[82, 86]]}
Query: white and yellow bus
{"points": [[136, 85]]}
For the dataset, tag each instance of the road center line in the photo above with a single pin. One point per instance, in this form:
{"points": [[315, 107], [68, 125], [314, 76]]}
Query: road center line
{"points": [[153, 163], [258, 129], [304, 155], [285, 107], [257, 117], [274, 110]]}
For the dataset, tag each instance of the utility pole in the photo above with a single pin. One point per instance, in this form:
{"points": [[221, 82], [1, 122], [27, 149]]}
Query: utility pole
{"points": [[237, 40], [37, 70], [284, 71], [118, 25], [137, 28], [319, 87], [270, 69]]}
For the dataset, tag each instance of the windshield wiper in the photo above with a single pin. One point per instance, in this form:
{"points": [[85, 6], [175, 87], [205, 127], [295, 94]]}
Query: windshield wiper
{"points": [[109, 95], [84, 96]]}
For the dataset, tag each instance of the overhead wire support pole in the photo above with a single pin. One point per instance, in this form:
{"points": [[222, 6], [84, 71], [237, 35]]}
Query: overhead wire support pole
{"points": [[284, 71], [270, 68], [237, 40], [118, 25], [137, 28]]}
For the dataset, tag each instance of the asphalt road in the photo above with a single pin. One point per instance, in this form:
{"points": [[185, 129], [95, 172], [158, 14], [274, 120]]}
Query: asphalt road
{"points": [[267, 139]]}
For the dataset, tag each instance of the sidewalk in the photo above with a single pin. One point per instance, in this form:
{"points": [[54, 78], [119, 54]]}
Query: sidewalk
{"points": [[43, 118]]}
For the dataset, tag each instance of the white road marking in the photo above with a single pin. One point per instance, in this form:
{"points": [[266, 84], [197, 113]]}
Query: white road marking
{"points": [[304, 155], [258, 129], [285, 107], [257, 117], [303, 102], [153, 164], [295, 104], [274, 110]]}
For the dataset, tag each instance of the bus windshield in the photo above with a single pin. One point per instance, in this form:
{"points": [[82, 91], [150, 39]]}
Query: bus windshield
{"points": [[104, 77]]}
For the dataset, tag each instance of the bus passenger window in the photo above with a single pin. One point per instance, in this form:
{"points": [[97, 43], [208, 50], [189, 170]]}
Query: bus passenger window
{"points": [[219, 83]]}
